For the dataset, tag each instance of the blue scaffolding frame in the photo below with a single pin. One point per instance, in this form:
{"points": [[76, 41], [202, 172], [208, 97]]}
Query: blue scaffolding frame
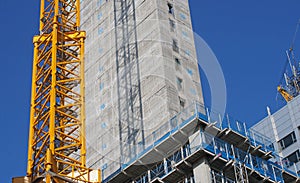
{"points": [[269, 169]]}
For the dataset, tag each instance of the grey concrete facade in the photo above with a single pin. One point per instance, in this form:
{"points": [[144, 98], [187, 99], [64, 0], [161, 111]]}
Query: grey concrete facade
{"points": [[283, 128], [169, 77]]}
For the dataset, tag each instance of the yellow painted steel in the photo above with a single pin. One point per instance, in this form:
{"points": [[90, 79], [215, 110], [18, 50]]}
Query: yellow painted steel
{"points": [[56, 145], [285, 94]]}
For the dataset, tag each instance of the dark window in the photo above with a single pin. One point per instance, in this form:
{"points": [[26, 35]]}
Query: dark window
{"points": [[177, 64], [287, 140], [179, 83], [172, 25], [181, 103], [292, 158], [175, 46], [171, 8]]}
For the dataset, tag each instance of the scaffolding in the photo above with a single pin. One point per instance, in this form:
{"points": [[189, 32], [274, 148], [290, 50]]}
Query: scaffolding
{"points": [[242, 154], [240, 171], [128, 79], [219, 177]]}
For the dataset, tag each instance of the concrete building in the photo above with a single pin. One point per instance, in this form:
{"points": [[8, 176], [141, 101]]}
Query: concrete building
{"points": [[145, 117], [141, 70], [283, 128]]}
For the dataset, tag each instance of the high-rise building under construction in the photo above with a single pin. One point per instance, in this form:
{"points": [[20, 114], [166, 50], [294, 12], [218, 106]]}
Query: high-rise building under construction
{"points": [[141, 70], [145, 117]]}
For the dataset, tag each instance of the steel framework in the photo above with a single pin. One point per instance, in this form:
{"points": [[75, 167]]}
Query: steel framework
{"points": [[56, 149], [241, 174], [128, 80], [291, 88]]}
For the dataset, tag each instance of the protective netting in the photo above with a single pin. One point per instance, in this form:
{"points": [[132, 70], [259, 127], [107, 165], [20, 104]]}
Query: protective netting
{"points": [[169, 76]]}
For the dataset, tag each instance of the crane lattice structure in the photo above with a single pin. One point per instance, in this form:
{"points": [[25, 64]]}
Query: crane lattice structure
{"points": [[56, 149], [291, 87]]}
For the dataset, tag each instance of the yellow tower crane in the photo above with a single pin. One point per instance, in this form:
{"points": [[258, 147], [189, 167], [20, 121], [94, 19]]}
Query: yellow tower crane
{"points": [[292, 78], [56, 148], [287, 97]]}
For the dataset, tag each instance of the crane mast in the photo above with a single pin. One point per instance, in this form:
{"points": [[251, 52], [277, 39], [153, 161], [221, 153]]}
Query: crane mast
{"points": [[56, 148]]}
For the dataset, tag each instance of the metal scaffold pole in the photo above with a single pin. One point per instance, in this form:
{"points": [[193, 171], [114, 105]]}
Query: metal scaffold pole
{"points": [[241, 175]]}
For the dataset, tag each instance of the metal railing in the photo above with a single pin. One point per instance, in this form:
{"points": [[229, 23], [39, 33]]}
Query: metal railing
{"points": [[199, 111], [219, 148], [217, 177]]}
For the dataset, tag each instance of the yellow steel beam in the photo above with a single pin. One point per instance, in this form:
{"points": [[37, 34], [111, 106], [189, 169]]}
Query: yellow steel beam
{"points": [[284, 94], [82, 91], [32, 103], [69, 36]]}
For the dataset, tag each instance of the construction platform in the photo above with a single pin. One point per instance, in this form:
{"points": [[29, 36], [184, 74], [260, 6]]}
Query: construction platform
{"points": [[178, 145]]}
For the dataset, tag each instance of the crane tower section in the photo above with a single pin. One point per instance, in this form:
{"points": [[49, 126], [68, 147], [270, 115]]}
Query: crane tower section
{"points": [[56, 148]]}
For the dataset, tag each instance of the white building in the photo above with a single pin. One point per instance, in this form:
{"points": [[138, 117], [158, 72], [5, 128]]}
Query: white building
{"points": [[283, 128]]}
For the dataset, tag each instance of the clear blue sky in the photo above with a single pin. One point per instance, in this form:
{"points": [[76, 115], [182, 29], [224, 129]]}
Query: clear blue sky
{"points": [[248, 37]]}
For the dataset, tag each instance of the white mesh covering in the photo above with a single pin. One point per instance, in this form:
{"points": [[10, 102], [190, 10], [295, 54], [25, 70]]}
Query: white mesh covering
{"points": [[159, 72]]}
